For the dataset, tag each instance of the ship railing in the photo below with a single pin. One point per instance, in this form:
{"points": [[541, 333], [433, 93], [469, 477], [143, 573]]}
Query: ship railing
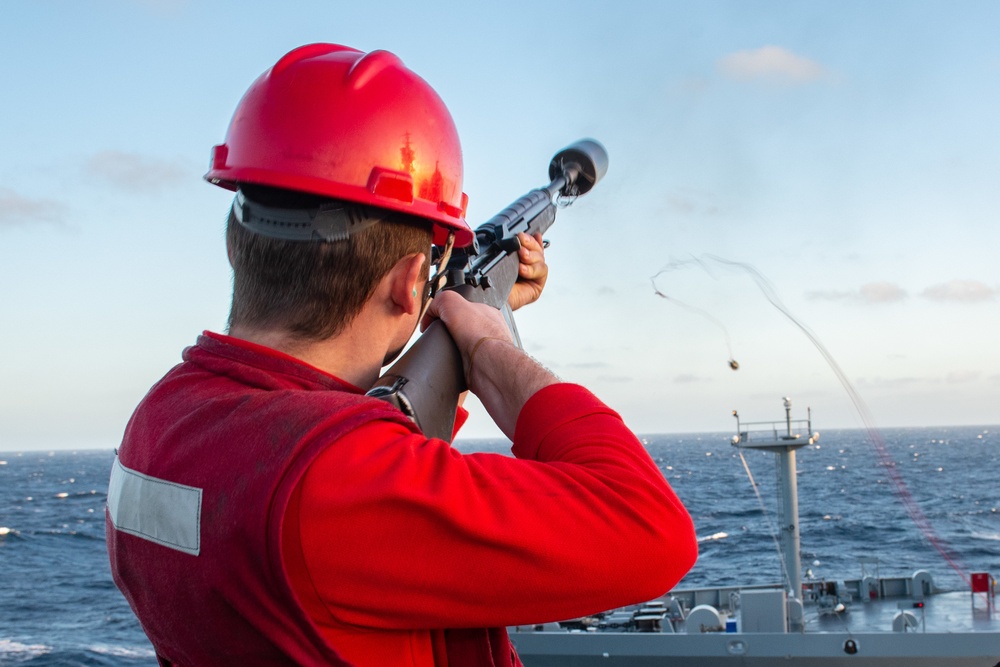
{"points": [[773, 431]]}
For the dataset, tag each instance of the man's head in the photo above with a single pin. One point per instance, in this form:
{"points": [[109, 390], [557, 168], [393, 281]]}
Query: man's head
{"points": [[322, 144], [312, 289]]}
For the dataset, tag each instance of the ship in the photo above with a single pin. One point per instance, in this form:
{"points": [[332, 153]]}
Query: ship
{"points": [[870, 620]]}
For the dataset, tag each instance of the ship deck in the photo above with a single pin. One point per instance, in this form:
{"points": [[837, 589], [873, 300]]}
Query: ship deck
{"points": [[956, 611], [949, 628]]}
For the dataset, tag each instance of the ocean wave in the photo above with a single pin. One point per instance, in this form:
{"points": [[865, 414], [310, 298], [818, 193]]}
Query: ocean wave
{"points": [[8, 534], [713, 537], [122, 651], [92, 493], [987, 536], [19, 651], [95, 536], [97, 655]]}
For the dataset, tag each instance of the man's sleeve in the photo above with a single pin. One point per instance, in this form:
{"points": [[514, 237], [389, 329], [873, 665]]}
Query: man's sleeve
{"points": [[402, 532]]}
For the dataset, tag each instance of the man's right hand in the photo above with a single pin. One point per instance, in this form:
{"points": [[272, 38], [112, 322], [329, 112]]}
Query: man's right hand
{"points": [[467, 322], [496, 370]]}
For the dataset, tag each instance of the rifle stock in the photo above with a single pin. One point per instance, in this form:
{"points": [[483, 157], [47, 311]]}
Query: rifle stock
{"points": [[426, 381]]}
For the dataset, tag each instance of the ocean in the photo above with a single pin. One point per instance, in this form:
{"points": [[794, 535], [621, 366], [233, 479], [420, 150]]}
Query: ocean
{"points": [[59, 606]]}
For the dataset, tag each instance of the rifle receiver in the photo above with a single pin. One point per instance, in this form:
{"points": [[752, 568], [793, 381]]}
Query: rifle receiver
{"points": [[426, 381], [582, 164]]}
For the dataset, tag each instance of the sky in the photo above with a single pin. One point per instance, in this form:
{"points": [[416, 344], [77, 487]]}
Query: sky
{"points": [[839, 156]]}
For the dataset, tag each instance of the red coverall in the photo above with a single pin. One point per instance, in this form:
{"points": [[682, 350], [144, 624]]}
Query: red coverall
{"points": [[396, 548]]}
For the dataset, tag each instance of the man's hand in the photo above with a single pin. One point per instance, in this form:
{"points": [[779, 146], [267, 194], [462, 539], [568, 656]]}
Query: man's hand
{"points": [[496, 370], [532, 272], [467, 322]]}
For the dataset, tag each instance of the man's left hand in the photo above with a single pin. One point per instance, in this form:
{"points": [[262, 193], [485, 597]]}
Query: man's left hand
{"points": [[532, 272]]}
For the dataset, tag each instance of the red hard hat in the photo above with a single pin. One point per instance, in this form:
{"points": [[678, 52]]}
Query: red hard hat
{"points": [[333, 121]]}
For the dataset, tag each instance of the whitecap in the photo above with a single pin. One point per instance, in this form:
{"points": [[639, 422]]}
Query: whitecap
{"points": [[713, 537], [995, 537], [4, 530], [10, 648], [62, 495], [122, 651]]}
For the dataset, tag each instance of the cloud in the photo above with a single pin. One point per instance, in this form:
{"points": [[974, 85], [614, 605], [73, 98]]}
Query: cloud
{"points": [[686, 378], [135, 173], [890, 383], [17, 209], [960, 291], [869, 293], [907, 382], [962, 377], [587, 365], [614, 378], [882, 292], [687, 201], [771, 64]]}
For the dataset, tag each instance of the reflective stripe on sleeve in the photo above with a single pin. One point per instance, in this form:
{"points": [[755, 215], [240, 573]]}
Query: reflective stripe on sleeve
{"points": [[154, 509]]}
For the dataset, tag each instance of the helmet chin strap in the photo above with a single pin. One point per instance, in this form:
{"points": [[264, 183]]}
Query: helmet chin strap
{"points": [[434, 284]]}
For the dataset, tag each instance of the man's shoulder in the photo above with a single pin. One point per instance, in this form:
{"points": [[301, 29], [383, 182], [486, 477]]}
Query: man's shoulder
{"points": [[256, 393]]}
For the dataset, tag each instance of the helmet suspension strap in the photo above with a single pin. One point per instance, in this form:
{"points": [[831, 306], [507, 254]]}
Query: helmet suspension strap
{"points": [[434, 284]]}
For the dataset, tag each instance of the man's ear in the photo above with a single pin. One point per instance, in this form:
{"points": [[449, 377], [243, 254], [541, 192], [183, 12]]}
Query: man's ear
{"points": [[406, 282]]}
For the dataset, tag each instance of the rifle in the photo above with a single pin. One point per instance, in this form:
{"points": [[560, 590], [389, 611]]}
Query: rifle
{"points": [[425, 383]]}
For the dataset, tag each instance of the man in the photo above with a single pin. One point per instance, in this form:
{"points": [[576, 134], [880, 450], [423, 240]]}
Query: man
{"points": [[263, 510]]}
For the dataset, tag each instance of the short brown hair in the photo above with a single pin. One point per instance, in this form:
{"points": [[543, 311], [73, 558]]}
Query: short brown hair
{"points": [[313, 289]]}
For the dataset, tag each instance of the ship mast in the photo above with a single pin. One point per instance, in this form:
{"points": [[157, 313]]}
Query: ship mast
{"points": [[783, 442]]}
